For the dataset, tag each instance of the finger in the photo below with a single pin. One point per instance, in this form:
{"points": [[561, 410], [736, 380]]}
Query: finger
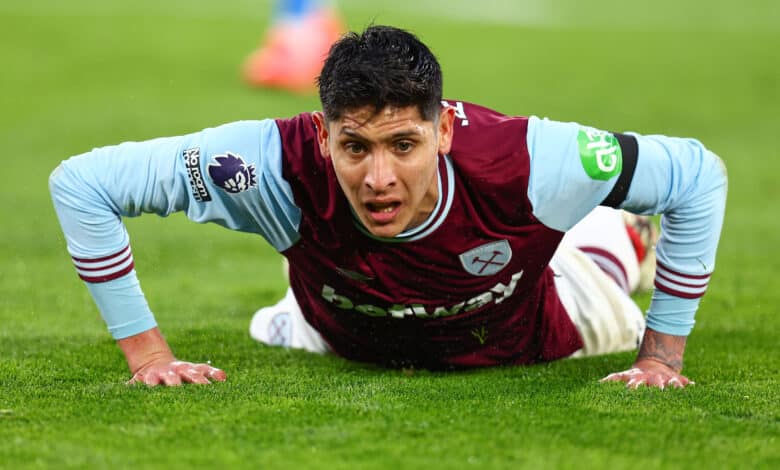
{"points": [[191, 375], [677, 382], [617, 377], [190, 372], [151, 379], [211, 372], [656, 380], [170, 379], [622, 376], [202, 369], [217, 374], [635, 383], [613, 377]]}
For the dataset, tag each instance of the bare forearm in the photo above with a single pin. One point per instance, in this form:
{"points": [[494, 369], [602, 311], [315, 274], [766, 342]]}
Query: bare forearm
{"points": [[144, 349], [665, 349]]}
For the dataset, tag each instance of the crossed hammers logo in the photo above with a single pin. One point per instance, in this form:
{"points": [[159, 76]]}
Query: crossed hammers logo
{"points": [[276, 328], [487, 262]]}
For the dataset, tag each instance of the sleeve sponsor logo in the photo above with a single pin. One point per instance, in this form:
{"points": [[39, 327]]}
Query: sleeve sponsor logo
{"points": [[232, 174], [192, 163], [600, 153]]}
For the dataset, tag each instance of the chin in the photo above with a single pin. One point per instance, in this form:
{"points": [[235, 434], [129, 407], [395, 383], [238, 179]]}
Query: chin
{"points": [[385, 231]]}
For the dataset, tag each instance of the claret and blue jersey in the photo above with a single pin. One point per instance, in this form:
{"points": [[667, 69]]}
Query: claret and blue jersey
{"points": [[509, 189]]}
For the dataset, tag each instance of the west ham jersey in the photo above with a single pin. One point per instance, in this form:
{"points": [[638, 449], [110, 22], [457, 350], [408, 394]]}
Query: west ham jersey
{"points": [[470, 287]]}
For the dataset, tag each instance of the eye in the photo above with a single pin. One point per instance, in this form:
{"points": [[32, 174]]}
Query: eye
{"points": [[404, 146], [354, 148]]}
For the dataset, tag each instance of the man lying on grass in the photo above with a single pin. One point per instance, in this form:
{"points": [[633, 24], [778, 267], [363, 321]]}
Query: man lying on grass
{"points": [[419, 232]]}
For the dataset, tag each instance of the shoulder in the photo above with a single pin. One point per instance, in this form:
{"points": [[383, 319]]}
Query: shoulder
{"points": [[488, 143], [309, 174], [297, 133], [490, 156], [474, 116], [482, 133], [298, 136]]}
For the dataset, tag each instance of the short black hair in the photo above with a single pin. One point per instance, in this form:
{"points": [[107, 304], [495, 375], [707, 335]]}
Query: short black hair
{"points": [[382, 66]]}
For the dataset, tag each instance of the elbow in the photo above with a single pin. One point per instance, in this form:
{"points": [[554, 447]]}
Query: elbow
{"points": [[712, 169], [56, 181], [723, 171], [713, 192], [62, 186], [718, 171]]}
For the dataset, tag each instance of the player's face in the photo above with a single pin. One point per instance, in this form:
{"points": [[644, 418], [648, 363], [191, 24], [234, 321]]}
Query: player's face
{"points": [[386, 163]]}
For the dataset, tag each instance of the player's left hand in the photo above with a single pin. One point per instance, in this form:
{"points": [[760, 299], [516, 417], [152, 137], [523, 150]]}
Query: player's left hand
{"points": [[651, 374]]}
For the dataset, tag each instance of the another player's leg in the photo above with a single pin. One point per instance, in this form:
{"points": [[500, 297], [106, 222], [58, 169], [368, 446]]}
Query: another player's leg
{"points": [[597, 266], [295, 46], [620, 243], [283, 325]]}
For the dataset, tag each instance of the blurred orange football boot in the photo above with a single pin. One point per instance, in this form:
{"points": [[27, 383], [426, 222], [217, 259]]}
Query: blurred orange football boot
{"points": [[293, 51]]}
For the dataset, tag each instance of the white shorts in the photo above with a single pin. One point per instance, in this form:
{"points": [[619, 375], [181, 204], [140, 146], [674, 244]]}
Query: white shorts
{"points": [[599, 304], [596, 270], [283, 324]]}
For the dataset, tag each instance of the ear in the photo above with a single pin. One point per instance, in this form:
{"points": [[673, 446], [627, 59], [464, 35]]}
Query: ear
{"points": [[446, 129], [322, 132]]}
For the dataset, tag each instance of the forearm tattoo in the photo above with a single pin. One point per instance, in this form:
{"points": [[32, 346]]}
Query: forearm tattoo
{"points": [[663, 348]]}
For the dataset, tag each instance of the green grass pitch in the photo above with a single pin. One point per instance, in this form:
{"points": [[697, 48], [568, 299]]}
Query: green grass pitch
{"points": [[86, 73]]}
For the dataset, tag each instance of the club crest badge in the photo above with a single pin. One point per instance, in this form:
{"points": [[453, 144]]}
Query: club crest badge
{"points": [[487, 259], [280, 330], [232, 174]]}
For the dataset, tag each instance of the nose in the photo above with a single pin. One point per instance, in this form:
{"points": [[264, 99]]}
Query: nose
{"points": [[381, 174]]}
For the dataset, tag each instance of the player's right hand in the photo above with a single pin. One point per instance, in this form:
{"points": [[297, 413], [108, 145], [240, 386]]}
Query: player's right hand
{"points": [[174, 373]]}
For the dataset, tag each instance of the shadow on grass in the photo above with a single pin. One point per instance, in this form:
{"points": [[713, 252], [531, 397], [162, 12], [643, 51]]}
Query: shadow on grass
{"points": [[47, 359]]}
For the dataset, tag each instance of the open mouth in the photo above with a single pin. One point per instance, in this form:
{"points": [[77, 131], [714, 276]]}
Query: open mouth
{"points": [[384, 208], [383, 212]]}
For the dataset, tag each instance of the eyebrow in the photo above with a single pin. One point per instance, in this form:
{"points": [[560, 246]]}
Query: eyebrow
{"points": [[397, 135]]}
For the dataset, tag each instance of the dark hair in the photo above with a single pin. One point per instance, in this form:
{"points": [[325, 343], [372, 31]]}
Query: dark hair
{"points": [[381, 66]]}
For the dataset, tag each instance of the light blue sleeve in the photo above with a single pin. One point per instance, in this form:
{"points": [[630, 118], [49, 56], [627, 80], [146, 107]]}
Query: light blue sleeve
{"points": [[560, 190], [676, 177], [230, 175], [687, 183]]}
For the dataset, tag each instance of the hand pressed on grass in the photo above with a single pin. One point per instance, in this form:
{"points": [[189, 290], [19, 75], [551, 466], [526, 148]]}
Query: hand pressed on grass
{"points": [[152, 362], [651, 374], [173, 373], [658, 363]]}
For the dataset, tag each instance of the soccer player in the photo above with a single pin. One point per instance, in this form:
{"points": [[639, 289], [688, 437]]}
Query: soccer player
{"points": [[291, 55], [419, 232]]}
